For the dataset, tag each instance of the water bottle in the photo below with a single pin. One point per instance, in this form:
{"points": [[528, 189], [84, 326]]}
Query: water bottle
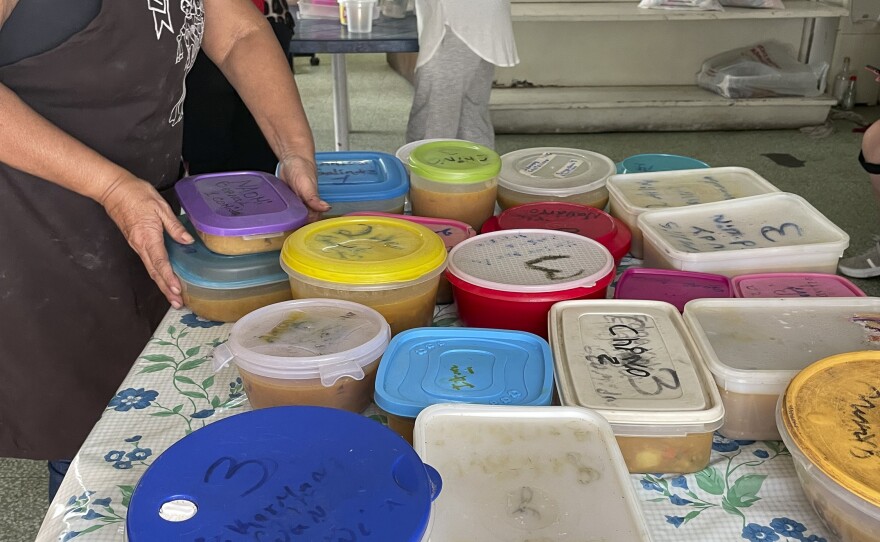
{"points": [[841, 82], [848, 100]]}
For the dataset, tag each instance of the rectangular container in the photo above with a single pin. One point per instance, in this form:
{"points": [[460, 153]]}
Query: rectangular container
{"points": [[754, 347], [794, 285], [527, 474], [632, 194], [769, 233], [355, 181], [676, 287], [635, 363]]}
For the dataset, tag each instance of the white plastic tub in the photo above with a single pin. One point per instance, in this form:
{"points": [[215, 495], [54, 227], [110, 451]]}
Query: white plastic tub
{"points": [[768, 233]]}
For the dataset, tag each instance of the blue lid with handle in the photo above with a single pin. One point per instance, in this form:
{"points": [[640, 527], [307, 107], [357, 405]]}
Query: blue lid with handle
{"points": [[360, 176], [285, 473], [426, 366]]}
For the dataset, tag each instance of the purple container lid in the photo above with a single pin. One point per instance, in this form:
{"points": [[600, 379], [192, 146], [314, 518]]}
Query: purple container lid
{"points": [[794, 285], [240, 203], [674, 287]]}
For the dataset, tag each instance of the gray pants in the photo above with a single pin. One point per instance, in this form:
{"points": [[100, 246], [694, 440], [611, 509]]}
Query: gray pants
{"points": [[452, 96]]}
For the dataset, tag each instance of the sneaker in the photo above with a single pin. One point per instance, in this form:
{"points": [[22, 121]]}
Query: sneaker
{"points": [[863, 266]]}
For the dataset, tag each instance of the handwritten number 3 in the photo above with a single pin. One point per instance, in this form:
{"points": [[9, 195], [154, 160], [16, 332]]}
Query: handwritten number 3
{"points": [[233, 466], [780, 231]]}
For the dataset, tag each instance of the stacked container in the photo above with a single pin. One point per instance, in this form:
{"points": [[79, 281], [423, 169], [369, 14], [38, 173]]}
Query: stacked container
{"points": [[635, 363], [794, 285], [675, 287], [361, 181]]}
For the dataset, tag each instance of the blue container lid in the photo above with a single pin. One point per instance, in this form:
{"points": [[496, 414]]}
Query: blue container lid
{"points": [[199, 266], [240, 203], [290, 473], [360, 176], [641, 163], [426, 366]]}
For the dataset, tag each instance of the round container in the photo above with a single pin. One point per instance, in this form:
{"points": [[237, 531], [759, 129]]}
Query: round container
{"points": [[642, 163], [453, 179], [321, 352], [388, 264], [290, 473], [361, 181], [794, 285], [675, 287], [225, 288], [571, 217], [241, 212], [403, 152], [510, 279], [828, 420], [554, 174]]}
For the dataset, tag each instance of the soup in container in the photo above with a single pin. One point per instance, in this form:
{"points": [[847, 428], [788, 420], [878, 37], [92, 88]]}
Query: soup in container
{"points": [[510, 279], [426, 366], [225, 288], [523, 474], [794, 285], [635, 363], [452, 232], [361, 181], [675, 287], [633, 194], [754, 347], [454, 179], [241, 212], [291, 473], [828, 419], [320, 352], [554, 174], [388, 264]]}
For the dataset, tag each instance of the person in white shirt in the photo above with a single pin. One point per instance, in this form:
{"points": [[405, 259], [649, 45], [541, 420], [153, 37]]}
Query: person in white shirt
{"points": [[460, 43]]}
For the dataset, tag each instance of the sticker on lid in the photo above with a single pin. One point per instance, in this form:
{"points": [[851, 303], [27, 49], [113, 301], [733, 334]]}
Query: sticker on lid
{"points": [[554, 170]]}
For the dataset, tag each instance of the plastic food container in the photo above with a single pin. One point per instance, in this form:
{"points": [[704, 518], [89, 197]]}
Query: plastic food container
{"points": [[643, 163], [754, 347], [454, 179], [388, 264], [241, 212], [361, 181], [554, 174], [633, 194], [773, 232], [426, 366], [291, 473], [827, 419], [675, 287], [519, 474], [404, 151], [510, 279], [452, 232], [794, 285], [635, 363], [225, 288], [321, 352], [571, 217], [316, 9]]}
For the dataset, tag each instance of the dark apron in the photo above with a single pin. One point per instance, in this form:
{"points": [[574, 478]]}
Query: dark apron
{"points": [[76, 305]]}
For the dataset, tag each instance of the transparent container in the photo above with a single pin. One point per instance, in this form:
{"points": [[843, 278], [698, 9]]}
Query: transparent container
{"points": [[754, 347], [635, 363], [633, 194], [527, 474], [359, 15], [319, 352]]}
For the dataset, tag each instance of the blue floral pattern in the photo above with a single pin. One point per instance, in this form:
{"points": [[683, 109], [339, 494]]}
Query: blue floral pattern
{"points": [[191, 320], [129, 398]]}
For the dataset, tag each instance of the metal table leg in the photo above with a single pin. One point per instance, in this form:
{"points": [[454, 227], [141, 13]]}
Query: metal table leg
{"points": [[341, 121]]}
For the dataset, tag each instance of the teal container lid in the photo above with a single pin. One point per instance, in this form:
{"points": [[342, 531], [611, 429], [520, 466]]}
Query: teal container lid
{"points": [[426, 366], [360, 176], [455, 162], [199, 266]]}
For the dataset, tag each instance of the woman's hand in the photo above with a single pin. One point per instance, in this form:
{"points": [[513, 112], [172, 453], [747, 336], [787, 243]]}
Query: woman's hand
{"points": [[300, 174], [143, 217]]}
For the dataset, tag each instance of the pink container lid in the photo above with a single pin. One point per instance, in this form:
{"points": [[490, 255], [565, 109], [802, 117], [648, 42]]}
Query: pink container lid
{"points": [[674, 287], [794, 285], [452, 232]]}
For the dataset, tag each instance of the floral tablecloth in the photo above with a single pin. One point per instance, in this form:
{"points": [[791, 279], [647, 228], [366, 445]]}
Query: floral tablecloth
{"points": [[749, 491]]}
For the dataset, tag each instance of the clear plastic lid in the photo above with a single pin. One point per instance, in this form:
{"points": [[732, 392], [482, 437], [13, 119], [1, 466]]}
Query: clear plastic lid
{"points": [[521, 474], [757, 345], [554, 171], [635, 363], [530, 261], [794, 285], [306, 339], [662, 189], [360, 176]]}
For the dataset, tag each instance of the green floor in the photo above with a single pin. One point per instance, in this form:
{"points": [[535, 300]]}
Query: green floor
{"points": [[827, 175]]}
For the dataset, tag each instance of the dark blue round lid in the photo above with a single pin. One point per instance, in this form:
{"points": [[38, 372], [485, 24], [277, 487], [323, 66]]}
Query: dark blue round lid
{"points": [[285, 473]]}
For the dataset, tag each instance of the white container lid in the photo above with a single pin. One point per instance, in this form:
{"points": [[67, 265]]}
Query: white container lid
{"points": [[554, 171], [306, 339], [638, 192], [519, 474], [774, 224], [530, 261], [635, 363], [757, 345]]}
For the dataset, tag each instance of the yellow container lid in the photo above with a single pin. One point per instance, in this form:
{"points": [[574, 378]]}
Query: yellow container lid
{"points": [[829, 410], [363, 250]]}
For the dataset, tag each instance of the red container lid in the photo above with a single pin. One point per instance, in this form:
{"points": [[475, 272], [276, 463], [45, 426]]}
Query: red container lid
{"points": [[674, 287], [794, 285]]}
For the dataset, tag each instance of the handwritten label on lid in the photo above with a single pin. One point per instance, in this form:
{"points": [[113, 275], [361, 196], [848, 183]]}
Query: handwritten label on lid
{"points": [[245, 196], [659, 193], [349, 173], [364, 242], [569, 168], [721, 232]]}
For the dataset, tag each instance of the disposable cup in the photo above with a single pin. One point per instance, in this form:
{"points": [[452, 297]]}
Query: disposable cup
{"points": [[359, 14]]}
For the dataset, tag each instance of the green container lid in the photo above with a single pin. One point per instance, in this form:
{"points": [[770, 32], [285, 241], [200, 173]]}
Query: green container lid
{"points": [[457, 162]]}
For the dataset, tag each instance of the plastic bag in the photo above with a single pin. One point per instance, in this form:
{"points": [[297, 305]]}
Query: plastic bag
{"points": [[760, 71], [688, 5], [764, 4]]}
